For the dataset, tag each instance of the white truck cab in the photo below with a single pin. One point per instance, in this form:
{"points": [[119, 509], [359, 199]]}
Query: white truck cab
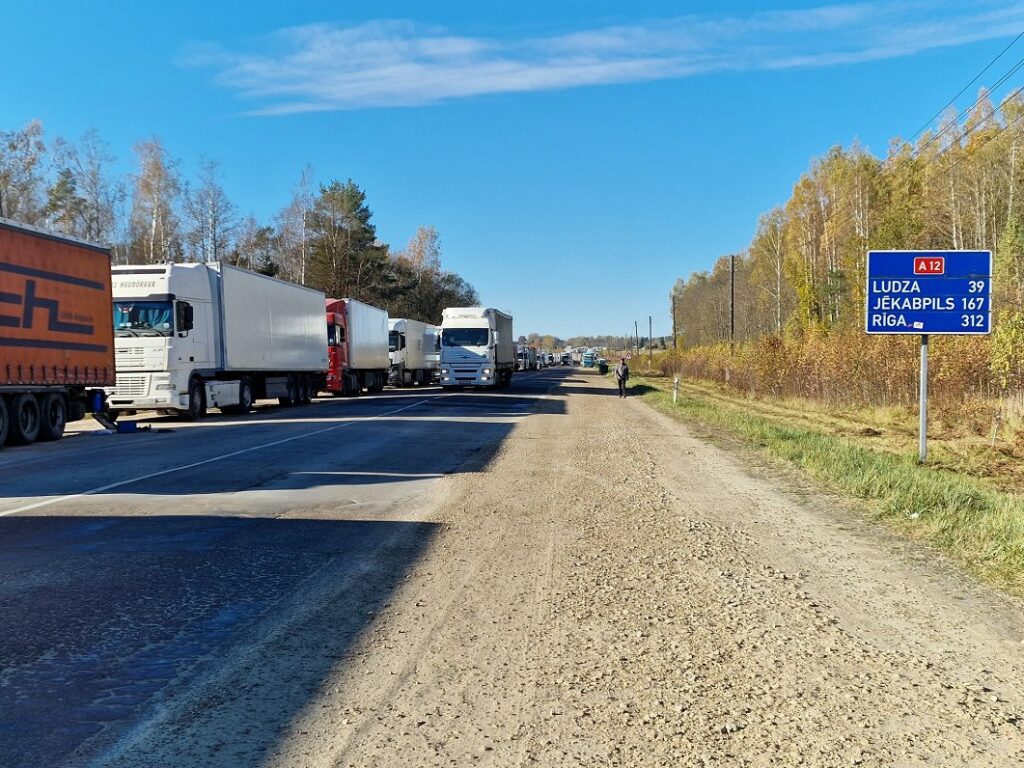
{"points": [[409, 344], [477, 348], [161, 321]]}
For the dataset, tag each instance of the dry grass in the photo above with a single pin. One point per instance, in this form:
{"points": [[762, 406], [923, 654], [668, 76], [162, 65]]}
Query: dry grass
{"points": [[865, 455]]}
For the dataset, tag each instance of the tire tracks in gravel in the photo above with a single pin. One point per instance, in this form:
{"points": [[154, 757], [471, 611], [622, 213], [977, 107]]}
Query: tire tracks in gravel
{"points": [[667, 605]]}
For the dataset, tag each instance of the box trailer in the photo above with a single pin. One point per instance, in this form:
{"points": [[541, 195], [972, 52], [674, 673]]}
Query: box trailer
{"points": [[194, 336], [56, 338], [357, 347]]}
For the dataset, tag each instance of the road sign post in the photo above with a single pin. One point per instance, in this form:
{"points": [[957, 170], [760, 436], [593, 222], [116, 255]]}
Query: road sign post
{"points": [[922, 437], [928, 293]]}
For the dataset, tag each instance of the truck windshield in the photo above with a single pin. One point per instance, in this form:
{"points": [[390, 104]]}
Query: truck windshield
{"points": [[465, 337], [143, 318], [395, 341]]}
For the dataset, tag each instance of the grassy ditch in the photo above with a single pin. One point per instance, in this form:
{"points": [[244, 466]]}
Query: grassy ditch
{"points": [[978, 525]]}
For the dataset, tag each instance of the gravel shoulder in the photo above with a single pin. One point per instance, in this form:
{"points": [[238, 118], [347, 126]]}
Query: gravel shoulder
{"points": [[611, 590]]}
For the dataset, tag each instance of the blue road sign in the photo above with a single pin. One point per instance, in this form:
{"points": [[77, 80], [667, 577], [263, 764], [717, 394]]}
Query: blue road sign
{"points": [[929, 292]]}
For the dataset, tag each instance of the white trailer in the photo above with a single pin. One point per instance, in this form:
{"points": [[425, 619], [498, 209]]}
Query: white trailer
{"points": [[434, 351], [220, 337], [409, 344], [477, 347]]}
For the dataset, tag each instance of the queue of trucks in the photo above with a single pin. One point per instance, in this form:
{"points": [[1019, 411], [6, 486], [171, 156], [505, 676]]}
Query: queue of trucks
{"points": [[78, 336]]}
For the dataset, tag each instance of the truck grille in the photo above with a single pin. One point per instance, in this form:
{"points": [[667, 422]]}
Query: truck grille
{"points": [[131, 357], [465, 373], [131, 386]]}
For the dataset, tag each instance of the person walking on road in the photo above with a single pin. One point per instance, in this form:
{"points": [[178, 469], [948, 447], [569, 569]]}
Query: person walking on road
{"points": [[622, 376]]}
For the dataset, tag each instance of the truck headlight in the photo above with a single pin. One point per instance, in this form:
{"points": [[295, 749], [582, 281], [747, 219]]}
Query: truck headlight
{"points": [[486, 371], [164, 387], [444, 371]]}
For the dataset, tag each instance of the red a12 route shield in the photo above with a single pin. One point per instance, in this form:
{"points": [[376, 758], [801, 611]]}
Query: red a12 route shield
{"points": [[930, 265]]}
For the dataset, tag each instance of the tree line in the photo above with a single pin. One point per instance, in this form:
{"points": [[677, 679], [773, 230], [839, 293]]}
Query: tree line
{"points": [[803, 274], [324, 237]]}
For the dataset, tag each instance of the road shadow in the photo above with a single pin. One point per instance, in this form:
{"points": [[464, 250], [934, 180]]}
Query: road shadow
{"points": [[450, 430], [107, 618]]}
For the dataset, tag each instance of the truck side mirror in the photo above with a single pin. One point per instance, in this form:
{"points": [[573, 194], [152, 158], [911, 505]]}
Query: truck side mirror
{"points": [[185, 316]]}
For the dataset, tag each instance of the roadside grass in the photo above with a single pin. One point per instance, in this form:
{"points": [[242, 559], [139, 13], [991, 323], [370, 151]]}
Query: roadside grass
{"points": [[976, 524]]}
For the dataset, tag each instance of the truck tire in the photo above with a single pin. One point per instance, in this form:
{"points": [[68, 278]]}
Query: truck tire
{"points": [[25, 420], [53, 417], [351, 384], [5, 421], [196, 399], [245, 399], [292, 398]]}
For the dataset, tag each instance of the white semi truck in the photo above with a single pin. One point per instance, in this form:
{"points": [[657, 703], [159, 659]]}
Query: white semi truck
{"points": [[188, 337], [410, 347], [477, 347]]}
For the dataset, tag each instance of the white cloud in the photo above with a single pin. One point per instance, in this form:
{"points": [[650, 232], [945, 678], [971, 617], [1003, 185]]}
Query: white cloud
{"points": [[321, 67]]}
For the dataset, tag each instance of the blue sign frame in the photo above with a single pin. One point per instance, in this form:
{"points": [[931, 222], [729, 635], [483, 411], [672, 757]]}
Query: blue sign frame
{"points": [[929, 293]]}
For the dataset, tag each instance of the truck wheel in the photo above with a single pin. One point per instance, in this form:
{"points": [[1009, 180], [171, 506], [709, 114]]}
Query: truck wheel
{"points": [[292, 398], [351, 384], [196, 400], [245, 399], [5, 421], [25, 419], [54, 417]]}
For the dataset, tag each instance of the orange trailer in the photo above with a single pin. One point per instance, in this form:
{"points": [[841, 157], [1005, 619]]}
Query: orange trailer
{"points": [[56, 331]]}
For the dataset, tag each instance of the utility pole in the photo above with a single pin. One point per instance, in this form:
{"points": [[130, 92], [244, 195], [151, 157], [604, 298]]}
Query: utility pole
{"points": [[636, 336], [732, 304], [650, 341], [675, 344]]}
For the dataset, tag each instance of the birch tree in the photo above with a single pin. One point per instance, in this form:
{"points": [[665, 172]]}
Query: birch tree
{"points": [[210, 216], [155, 227], [22, 155]]}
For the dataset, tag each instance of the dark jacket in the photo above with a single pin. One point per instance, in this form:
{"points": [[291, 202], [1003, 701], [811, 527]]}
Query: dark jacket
{"points": [[622, 372]]}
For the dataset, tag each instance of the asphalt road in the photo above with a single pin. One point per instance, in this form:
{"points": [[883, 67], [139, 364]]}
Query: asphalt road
{"points": [[133, 565]]}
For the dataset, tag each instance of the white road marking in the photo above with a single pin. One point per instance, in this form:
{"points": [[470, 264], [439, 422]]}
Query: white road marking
{"points": [[411, 475], [111, 486]]}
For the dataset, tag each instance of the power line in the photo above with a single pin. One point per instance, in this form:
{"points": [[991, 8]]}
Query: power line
{"points": [[966, 110], [987, 139], [961, 92]]}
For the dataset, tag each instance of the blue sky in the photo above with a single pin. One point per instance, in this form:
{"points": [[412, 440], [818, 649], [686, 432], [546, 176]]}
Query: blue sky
{"points": [[576, 157]]}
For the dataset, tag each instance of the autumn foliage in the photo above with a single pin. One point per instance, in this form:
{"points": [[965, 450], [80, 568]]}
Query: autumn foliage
{"points": [[799, 287]]}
